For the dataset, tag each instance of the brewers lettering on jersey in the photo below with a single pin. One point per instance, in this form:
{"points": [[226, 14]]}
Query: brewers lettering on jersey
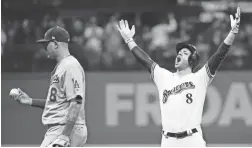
{"points": [[64, 114], [182, 94], [177, 89]]}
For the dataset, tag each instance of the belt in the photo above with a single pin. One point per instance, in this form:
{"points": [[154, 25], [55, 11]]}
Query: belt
{"points": [[180, 134], [58, 124]]}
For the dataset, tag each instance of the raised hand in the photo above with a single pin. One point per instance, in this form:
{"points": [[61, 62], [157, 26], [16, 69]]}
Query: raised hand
{"points": [[235, 22], [126, 33]]}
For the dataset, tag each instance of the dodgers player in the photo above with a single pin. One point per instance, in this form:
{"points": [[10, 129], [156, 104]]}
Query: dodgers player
{"points": [[64, 106], [182, 94]]}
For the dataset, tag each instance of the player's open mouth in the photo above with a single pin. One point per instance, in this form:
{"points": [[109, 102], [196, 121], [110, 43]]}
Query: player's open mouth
{"points": [[178, 59]]}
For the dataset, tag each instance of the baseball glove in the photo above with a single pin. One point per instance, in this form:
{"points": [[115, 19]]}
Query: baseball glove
{"points": [[61, 141]]}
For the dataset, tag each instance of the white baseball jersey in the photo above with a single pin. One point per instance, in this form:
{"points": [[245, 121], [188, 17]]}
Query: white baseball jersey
{"points": [[67, 81], [181, 97]]}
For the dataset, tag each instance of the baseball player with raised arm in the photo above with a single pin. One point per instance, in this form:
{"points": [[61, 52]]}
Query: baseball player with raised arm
{"points": [[182, 94], [63, 112]]}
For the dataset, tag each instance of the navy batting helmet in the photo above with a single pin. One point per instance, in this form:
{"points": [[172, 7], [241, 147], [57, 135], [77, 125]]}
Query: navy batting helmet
{"points": [[193, 59]]}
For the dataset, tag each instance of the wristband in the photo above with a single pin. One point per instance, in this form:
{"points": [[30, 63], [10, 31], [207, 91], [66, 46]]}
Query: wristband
{"points": [[30, 103], [129, 40], [132, 44]]}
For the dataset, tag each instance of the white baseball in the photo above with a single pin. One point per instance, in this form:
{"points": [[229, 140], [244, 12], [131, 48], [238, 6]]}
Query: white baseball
{"points": [[14, 92]]}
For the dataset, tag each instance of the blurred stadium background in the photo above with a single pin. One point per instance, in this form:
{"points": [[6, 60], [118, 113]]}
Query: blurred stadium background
{"points": [[122, 106]]}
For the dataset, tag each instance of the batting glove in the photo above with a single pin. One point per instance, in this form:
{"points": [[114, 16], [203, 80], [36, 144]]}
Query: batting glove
{"points": [[61, 141], [126, 33], [235, 22]]}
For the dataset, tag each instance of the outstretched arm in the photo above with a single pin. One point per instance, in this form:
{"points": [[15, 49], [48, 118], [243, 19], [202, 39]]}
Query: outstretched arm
{"points": [[216, 59], [127, 35], [141, 56]]}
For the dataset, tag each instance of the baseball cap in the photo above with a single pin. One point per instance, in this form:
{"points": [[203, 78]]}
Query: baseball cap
{"points": [[180, 46], [56, 33]]}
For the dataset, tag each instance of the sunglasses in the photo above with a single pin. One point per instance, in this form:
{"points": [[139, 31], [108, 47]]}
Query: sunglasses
{"points": [[47, 42]]}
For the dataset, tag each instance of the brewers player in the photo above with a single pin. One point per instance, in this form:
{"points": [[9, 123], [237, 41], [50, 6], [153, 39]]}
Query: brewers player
{"points": [[182, 94], [64, 106]]}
